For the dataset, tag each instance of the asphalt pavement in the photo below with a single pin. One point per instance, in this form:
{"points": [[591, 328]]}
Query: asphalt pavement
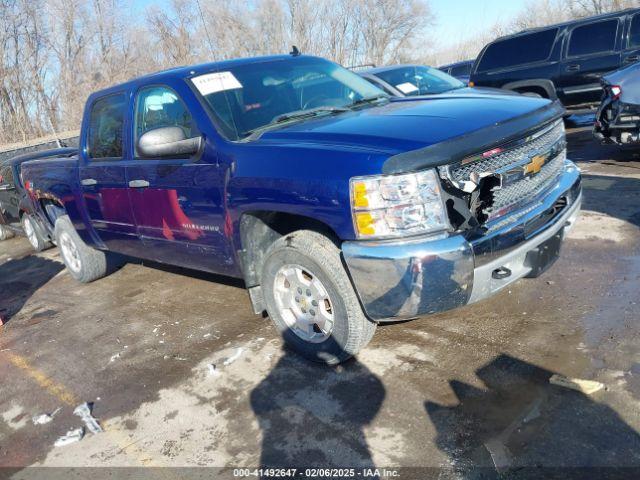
{"points": [[181, 373]]}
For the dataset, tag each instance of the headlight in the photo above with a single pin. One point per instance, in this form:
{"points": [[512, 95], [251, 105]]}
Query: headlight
{"points": [[386, 206]]}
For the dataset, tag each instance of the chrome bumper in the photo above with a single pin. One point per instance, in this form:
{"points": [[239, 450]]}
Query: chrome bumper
{"points": [[398, 280]]}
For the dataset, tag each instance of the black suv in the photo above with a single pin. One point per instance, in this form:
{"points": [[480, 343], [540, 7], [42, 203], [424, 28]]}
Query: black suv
{"points": [[564, 61]]}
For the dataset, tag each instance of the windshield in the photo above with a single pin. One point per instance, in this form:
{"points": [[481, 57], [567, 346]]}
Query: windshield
{"points": [[249, 97], [418, 80]]}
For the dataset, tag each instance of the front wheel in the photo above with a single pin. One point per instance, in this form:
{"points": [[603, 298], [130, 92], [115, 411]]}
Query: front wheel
{"points": [[34, 233], [311, 300]]}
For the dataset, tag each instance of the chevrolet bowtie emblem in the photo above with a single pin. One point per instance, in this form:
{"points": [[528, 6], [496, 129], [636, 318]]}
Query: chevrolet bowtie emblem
{"points": [[535, 165]]}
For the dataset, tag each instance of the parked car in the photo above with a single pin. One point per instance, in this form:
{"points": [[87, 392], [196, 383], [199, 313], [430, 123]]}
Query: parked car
{"points": [[339, 206], [459, 70], [564, 61], [415, 80], [16, 214], [618, 118]]}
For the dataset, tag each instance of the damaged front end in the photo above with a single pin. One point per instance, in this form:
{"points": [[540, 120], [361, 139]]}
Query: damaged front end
{"points": [[496, 170], [618, 117], [480, 190], [509, 208]]}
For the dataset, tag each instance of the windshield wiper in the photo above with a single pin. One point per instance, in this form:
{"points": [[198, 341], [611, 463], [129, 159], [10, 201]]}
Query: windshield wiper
{"points": [[296, 115], [306, 114], [366, 100]]}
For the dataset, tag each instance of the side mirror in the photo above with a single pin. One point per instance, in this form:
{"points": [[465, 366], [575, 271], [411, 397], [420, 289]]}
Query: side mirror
{"points": [[168, 142]]}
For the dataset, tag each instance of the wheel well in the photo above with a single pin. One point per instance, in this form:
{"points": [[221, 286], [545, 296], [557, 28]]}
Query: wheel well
{"points": [[258, 230], [54, 211], [534, 89]]}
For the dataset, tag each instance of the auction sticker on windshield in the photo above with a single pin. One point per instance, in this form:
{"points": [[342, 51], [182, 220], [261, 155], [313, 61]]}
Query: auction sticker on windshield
{"points": [[407, 88], [216, 82]]}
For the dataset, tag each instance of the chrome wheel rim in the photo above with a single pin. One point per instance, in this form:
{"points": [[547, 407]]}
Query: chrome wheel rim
{"points": [[30, 232], [70, 252], [304, 303]]}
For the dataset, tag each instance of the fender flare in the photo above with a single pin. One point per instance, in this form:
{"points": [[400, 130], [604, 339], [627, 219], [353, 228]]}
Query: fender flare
{"points": [[545, 84]]}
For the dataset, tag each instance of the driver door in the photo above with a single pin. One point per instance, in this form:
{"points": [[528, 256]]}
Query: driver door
{"points": [[177, 202]]}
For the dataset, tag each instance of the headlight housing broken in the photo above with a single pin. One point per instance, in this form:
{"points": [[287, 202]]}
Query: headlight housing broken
{"points": [[391, 206]]}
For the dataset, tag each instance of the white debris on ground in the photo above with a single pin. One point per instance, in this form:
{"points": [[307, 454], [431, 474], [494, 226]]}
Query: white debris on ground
{"points": [[45, 417], [14, 417], [84, 412], [585, 386], [233, 357], [213, 371], [114, 357], [72, 436]]}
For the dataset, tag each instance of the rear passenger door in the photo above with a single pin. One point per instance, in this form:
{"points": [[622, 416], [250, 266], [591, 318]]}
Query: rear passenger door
{"points": [[178, 207], [102, 174], [591, 50]]}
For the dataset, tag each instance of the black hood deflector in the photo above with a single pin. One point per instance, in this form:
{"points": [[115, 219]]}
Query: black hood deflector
{"points": [[477, 141]]}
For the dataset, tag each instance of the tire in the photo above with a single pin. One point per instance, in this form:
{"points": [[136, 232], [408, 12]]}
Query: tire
{"points": [[32, 230], [5, 233], [84, 263], [339, 329]]}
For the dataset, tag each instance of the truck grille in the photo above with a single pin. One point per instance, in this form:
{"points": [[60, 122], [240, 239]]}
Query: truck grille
{"points": [[503, 198], [549, 140], [530, 147]]}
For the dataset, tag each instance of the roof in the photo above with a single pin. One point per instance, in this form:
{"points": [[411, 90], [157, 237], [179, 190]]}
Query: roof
{"points": [[456, 64], [191, 70], [603, 16]]}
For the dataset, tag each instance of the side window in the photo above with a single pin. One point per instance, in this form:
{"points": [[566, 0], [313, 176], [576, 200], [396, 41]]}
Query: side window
{"points": [[464, 69], [158, 107], [593, 38], [634, 32], [106, 127], [520, 50]]}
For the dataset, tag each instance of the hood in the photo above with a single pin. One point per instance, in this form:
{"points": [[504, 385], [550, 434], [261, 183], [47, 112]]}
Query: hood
{"points": [[406, 124], [629, 81]]}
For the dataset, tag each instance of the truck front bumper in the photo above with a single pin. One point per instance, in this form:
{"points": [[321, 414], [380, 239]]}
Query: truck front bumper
{"points": [[398, 280]]}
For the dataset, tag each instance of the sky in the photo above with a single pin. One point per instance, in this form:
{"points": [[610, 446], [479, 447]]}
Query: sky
{"points": [[455, 19], [460, 19]]}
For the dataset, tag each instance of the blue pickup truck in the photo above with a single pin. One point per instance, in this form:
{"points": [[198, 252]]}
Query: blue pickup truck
{"points": [[338, 206]]}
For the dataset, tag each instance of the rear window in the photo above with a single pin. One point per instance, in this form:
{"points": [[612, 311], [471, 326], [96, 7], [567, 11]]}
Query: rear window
{"points": [[530, 48], [461, 70], [634, 33], [106, 127], [593, 38]]}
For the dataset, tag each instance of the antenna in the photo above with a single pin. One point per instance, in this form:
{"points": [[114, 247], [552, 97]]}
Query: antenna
{"points": [[206, 30]]}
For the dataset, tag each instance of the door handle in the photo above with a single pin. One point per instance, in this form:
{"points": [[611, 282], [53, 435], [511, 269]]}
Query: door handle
{"points": [[138, 184], [573, 68], [632, 58], [89, 182]]}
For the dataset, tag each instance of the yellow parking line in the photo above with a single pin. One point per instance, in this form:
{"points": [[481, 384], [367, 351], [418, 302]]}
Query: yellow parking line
{"points": [[56, 389], [63, 394]]}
